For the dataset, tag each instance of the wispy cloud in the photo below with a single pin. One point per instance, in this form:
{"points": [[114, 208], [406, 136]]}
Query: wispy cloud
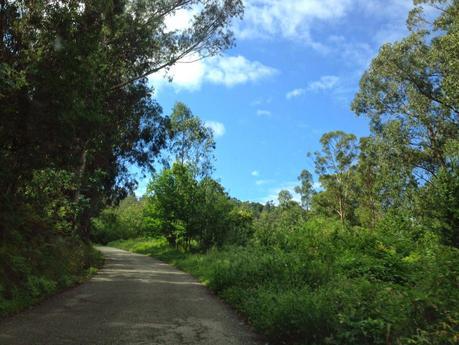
{"points": [[326, 82], [261, 101], [262, 112], [295, 93], [268, 18], [233, 70], [255, 173], [217, 127]]}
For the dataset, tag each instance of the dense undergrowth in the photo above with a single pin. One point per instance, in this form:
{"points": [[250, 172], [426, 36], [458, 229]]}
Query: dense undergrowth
{"points": [[333, 287], [29, 273]]}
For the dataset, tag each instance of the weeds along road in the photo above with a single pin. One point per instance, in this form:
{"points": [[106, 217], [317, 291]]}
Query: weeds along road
{"points": [[134, 299]]}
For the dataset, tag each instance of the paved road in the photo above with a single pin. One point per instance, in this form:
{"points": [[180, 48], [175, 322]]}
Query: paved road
{"points": [[134, 299]]}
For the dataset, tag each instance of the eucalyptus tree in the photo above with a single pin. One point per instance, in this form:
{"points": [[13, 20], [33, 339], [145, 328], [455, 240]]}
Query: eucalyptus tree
{"points": [[305, 189], [335, 164], [285, 198], [74, 87], [411, 95], [192, 143], [413, 82]]}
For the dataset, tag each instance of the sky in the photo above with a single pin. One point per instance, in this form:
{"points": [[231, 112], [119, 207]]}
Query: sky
{"points": [[290, 78]]}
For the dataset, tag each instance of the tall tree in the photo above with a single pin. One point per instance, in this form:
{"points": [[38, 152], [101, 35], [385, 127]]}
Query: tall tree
{"points": [[411, 95], [189, 209], [335, 165], [92, 113], [285, 198], [411, 82], [305, 189], [368, 176], [192, 142]]}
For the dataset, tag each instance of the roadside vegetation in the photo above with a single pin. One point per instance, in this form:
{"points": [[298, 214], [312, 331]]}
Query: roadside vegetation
{"points": [[34, 273], [370, 257], [76, 112]]}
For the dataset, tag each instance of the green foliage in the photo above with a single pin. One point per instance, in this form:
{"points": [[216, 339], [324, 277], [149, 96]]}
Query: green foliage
{"points": [[438, 206], [121, 222], [305, 189], [411, 97], [274, 226], [336, 164], [189, 210], [30, 273], [192, 142], [394, 284]]}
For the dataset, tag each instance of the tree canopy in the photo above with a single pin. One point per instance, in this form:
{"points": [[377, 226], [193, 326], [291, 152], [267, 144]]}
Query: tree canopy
{"points": [[74, 90]]}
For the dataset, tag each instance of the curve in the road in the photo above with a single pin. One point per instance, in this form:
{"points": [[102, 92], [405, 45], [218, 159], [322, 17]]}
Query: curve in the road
{"points": [[134, 299]]}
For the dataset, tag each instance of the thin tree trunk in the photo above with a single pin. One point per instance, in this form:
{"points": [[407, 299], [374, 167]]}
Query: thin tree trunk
{"points": [[341, 211], [80, 174], [79, 183]]}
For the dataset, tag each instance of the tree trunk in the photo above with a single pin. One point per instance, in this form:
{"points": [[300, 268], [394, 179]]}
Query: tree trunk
{"points": [[79, 183], [80, 174]]}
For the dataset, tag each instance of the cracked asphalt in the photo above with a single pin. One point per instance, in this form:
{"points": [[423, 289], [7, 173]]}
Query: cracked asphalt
{"points": [[134, 299]]}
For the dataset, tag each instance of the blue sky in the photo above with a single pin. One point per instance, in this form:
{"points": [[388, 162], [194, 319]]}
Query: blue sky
{"points": [[290, 78]]}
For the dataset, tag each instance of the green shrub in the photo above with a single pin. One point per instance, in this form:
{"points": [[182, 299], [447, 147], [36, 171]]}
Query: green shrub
{"points": [[334, 287], [31, 272]]}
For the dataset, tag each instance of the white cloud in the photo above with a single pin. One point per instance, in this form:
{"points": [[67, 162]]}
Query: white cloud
{"points": [[190, 73], [217, 127], [394, 13], [255, 173], [295, 93], [261, 101], [233, 70], [298, 20], [180, 20], [261, 112], [357, 54], [187, 74], [288, 18], [326, 82]]}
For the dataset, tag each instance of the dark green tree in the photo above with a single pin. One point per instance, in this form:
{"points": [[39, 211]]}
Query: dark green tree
{"points": [[75, 94]]}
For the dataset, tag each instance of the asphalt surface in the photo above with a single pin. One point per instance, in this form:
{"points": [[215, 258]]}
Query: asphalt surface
{"points": [[134, 299]]}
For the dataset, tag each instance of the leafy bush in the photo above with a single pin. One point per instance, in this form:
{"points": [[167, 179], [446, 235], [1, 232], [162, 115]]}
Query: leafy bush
{"points": [[127, 220], [30, 273]]}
